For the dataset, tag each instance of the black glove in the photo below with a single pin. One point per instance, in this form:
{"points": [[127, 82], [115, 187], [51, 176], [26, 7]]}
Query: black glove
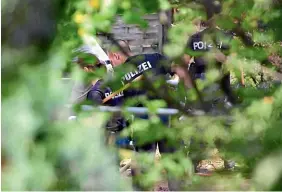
{"points": [[116, 124]]}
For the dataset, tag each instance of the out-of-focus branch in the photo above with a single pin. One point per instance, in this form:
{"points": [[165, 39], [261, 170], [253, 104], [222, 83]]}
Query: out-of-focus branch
{"points": [[248, 41], [254, 79], [274, 74], [242, 77]]}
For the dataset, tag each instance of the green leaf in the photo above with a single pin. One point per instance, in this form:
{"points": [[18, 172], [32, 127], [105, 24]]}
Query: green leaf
{"points": [[164, 4], [268, 171], [225, 22], [173, 50]]}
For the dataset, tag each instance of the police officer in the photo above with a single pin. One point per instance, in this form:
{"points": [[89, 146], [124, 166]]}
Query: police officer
{"points": [[207, 40], [91, 90], [154, 66], [88, 63], [203, 41]]}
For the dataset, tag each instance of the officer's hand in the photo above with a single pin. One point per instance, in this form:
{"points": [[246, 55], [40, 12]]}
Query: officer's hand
{"points": [[116, 125], [220, 57], [182, 74]]}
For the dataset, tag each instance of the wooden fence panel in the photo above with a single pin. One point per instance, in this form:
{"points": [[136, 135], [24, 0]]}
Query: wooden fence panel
{"points": [[140, 41]]}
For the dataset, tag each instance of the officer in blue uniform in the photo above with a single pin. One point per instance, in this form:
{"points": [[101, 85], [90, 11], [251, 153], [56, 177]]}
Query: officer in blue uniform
{"points": [[199, 44], [155, 66], [92, 91]]}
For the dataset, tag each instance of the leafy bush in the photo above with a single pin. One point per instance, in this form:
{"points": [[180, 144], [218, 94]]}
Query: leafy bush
{"points": [[42, 151]]}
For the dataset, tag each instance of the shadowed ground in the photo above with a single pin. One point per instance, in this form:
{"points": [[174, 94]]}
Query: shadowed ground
{"points": [[215, 163]]}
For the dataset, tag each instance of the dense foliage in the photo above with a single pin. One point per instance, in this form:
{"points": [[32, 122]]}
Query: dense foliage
{"points": [[42, 151]]}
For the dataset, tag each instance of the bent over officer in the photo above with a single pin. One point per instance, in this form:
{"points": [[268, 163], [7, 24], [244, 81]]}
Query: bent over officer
{"points": [[155, 66]]}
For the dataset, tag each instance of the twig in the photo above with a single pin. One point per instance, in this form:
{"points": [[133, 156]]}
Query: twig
{"points": [[254, 79]]}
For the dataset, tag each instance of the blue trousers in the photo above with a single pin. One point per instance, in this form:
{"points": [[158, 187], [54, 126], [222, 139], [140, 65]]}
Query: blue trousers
{"points": [[124, 142], [163, 144]]}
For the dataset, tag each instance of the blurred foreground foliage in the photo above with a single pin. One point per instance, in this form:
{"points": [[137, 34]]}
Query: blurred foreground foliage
{"points": [[41, 151]]}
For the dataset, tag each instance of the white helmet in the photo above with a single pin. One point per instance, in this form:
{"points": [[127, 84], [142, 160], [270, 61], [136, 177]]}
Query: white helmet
{"points": [[92, 47], [98, 54]]}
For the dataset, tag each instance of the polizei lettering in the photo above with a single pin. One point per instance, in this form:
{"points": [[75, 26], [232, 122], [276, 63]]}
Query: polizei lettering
{"points": [[120, 94], [140, 69], [200, 45]]}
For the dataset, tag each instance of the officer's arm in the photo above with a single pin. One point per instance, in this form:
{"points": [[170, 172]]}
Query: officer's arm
{"points": [[182, 74], [186, 58], [166, 68], [164, 64], [96, 94], [177, 73], [220, 57], [182, 70]]}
